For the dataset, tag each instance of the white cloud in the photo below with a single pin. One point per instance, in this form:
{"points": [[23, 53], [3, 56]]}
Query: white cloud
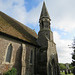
{"points": [[17, 10], [19, 13], [62, 14], [66, 24], [34, 15], [14, 8], [64, 52]]}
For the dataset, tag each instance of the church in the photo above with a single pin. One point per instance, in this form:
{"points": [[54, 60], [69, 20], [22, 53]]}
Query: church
{"points": [[23, 49]]}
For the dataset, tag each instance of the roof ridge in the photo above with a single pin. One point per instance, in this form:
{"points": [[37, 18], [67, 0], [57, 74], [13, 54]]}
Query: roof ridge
{"points": [[14, 19], [20, 24]]}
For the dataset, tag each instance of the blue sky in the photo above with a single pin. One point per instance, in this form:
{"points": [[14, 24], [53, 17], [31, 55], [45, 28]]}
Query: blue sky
{"points": [[31, 4], [62, 14]]}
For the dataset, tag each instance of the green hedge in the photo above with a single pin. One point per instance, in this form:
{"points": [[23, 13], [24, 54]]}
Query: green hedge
{"points": [[13, 71]]}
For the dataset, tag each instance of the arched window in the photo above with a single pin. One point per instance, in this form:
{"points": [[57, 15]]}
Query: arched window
{"points": [[31, 57], [9, 53]]}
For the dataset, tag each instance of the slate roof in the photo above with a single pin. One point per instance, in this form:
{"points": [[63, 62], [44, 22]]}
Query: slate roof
{"points": [[14, 28]]}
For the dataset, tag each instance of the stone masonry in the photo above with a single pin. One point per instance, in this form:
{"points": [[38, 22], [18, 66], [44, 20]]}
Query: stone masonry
{"points": [[23, 49]]}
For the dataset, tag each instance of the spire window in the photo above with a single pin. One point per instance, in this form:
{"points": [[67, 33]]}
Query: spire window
{"points": [[42, 25]]}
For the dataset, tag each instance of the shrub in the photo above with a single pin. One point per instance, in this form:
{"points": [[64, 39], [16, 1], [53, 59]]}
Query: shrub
{"points": [[13, 71]]}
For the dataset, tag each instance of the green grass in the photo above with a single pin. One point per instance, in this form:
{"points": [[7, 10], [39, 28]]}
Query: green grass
{"points": [[62, 73]]}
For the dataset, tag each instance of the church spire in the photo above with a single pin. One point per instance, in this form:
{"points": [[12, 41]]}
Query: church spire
{"points": [[44, 12], [45, 33], [44, 18]]}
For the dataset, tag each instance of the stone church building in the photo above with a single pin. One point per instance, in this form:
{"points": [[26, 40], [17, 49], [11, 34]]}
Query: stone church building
{"points": [[22, 48]]}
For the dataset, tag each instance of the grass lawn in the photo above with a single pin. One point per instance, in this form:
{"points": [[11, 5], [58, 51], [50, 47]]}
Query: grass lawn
{"points": [[62, 73]]}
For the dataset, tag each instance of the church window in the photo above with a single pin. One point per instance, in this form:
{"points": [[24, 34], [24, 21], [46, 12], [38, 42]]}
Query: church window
{"points": [[31, 57], [9, 52]]}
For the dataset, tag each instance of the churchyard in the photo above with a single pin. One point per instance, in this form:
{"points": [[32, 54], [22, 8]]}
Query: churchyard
{"points": [[63, 73]]}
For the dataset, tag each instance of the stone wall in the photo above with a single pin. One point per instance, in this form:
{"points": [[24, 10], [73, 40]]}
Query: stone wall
{"points": [[16, 57], [51, 49], [42, 41], [52, 59], [29, 65]]}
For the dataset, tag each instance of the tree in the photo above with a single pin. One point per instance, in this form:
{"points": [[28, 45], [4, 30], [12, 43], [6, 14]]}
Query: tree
{"points": [[73, 54], [62, 66]]}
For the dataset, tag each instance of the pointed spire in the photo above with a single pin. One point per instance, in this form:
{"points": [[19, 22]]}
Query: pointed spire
{"points": [[44, 12]]}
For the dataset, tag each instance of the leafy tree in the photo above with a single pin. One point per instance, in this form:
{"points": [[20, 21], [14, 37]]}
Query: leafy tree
{"points": [[71, 67], [62, 66], [73, 54]]}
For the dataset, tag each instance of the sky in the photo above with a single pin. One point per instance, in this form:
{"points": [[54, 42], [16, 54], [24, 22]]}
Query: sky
{"points": [[62, 14]]}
